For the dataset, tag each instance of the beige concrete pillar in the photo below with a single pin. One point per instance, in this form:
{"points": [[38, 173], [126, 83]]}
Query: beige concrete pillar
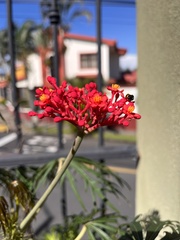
{"points": [[158, 134]]}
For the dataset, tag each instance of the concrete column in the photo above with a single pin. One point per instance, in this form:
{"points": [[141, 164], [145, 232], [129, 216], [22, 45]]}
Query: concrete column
{"points": [[158, 134]]}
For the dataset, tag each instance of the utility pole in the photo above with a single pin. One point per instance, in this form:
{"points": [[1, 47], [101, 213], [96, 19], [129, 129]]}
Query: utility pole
{"points": [[54, 20], [100, 85], [15, 96], [99, 79]]}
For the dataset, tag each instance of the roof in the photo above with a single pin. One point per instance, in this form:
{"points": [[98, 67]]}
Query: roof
{"points": [[109, 42]]}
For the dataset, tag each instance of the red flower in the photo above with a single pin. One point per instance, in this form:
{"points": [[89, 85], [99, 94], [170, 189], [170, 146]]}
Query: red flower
{"points": [[86, 108]]}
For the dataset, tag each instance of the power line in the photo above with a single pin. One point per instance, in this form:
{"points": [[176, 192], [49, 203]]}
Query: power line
{"points": [[131, 2], [118, 2]]}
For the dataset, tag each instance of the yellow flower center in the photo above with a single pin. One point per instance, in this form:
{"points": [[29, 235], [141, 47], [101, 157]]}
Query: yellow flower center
{"points": [[131, 109], [115, 86], [97, 98], [44, 97]]}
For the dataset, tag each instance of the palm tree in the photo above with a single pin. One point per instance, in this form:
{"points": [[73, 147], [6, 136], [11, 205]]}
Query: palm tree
{"points": [[23, 38], [68, 11], [4, 42], [24, 43]]}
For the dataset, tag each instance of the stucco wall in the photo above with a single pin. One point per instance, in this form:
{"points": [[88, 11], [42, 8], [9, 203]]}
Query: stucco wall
{"points": [[158, 135], [34, 76], [72, 58]]}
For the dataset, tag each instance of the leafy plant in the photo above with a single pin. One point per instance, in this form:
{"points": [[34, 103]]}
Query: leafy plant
{"points": [[92, 225], [98, 180], [150, 227], [95, 176], [20, 200]]}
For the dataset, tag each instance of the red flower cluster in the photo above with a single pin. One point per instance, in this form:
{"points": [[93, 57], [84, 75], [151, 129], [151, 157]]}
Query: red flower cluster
{"points": [[86, 108]]}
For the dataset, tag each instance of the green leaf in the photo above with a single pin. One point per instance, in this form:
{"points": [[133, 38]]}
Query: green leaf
{"points": [[101, 171], [105, 183], [44, 174], [90, 234], [100, 232], [153, 230], [136, 230], [126, 237], [171, 236], [91, 183], [105, 226], [79, 13], [72, 184]]}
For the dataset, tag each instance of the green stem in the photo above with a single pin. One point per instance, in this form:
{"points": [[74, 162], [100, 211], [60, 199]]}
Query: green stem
{"points": [[58, 176]]}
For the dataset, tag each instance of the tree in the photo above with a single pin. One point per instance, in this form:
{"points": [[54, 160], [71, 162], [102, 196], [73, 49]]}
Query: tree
{"points": [[4, 42], [68, 11], [23, 38], [24, 44]]}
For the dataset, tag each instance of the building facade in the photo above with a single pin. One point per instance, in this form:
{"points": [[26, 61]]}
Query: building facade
{"points": [[78, 58]]}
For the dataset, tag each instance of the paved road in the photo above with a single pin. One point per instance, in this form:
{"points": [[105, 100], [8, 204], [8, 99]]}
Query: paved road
{"points": [[45, 147]]}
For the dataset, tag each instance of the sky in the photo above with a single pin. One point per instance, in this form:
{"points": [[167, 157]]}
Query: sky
{"points": [[118, 22]]}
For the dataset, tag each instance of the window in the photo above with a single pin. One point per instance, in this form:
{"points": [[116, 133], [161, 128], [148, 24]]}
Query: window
{"points": [[88, 60]]}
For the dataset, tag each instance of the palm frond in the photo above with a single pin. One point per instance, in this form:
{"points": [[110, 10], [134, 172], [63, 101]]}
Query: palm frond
{"points": [[79, 13], [99, 181]]}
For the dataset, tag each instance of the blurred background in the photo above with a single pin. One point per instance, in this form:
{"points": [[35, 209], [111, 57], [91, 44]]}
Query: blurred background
{"points": [[76, 41]]}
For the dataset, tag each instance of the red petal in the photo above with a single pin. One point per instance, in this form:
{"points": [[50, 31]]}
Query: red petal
{"points": [[125, 123], [31, 113], [51, 80], [81, 123], [57, 119]]}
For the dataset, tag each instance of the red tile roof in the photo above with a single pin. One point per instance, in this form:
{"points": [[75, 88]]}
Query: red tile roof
{"points": [[110, 43]]}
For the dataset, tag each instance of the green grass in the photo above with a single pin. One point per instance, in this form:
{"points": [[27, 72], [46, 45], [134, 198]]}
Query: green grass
{"points": [[70, 129], [131, 138], [51, 129]]}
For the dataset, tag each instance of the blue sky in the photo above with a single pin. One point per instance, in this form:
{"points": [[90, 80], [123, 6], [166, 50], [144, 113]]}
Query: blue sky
{"points": [[118, 22]]}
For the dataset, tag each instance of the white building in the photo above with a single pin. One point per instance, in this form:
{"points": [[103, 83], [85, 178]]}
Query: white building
{"points": [[78, 59], [81, 57]]}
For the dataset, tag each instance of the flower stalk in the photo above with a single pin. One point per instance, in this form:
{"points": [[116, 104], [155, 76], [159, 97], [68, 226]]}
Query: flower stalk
{"points": [[82, 232], [71, 154]]}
